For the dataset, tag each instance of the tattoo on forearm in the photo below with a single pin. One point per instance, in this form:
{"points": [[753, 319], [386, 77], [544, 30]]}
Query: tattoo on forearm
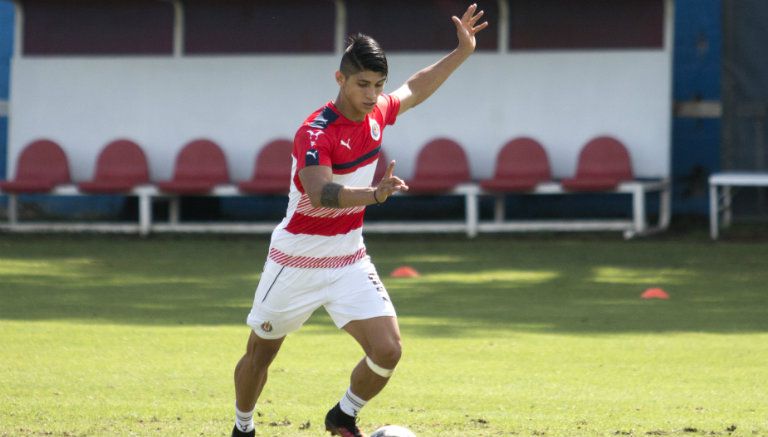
{"points": [[330, 195]]}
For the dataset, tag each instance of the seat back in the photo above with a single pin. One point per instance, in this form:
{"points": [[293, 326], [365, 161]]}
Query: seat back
{"points": [[124, 161], [274, 161], [442, 159], [604, 157], [201, 160], [523, 158], [43, 160]]}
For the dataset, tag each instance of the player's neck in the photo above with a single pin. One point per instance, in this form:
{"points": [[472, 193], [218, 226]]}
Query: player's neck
{"points": [[348, 110]]}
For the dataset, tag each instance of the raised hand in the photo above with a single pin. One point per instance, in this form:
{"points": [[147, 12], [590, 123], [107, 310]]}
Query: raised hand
{"points": [[466, 28], [389, 184]]}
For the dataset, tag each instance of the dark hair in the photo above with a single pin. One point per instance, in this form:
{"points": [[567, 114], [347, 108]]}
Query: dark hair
{"points": [[363, 53]]}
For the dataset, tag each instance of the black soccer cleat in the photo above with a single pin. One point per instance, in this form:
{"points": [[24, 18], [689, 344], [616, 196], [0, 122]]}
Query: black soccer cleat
{"points": [[237, 433], [340, 424]]}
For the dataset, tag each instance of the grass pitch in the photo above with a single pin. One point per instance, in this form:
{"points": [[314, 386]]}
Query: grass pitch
{"points": [[506, 336]]}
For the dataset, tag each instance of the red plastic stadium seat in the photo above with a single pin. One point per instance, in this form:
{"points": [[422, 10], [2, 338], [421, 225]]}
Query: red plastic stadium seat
{"points": [[271, 171], [381, 167], [120, 167], [41, 166], [440, 167], [520, 165], [200, 166], [603, 164]]}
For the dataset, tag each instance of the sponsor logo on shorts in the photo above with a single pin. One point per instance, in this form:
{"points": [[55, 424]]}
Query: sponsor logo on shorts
{"points": [[374, 278], [266, 327]]}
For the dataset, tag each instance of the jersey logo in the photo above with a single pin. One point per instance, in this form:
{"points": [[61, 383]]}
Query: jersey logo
{"points": [[346, 143], [314, 135], [312, 157], [375, 129]]}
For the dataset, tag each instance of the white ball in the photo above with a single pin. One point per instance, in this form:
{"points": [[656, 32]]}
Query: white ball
{"points": [[393, 431]]}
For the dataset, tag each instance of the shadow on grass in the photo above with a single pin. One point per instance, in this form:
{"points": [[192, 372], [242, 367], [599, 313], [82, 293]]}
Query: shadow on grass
{"points": [[522, 284]]}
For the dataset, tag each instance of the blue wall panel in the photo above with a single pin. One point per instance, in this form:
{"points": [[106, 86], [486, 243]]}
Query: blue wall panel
{"points": [[698, 50], [6, 51], [696, 76], [3, 145], [695, 155], [6, 46], [6, 28]]}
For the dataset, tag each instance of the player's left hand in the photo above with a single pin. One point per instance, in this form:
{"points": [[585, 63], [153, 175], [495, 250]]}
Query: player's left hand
{"points": [[389, 184], [466, 29]]}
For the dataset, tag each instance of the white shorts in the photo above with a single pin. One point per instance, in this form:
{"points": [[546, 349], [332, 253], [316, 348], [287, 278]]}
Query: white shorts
{"points": [[287, 296]]}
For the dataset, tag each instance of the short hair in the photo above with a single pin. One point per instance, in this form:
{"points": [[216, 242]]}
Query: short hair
{"points": [[363, 53]]}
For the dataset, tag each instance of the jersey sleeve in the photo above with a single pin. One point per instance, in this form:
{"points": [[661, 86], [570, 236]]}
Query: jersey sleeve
{"points": [[311, 147], [389, 106]]}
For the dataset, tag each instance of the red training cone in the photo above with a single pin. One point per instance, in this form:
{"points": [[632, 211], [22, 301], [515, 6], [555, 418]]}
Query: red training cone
{"points": [[655, 293], [404, 272]]}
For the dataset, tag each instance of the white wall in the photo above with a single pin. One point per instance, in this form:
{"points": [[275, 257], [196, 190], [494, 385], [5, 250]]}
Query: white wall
{"points": [[561, 98]]}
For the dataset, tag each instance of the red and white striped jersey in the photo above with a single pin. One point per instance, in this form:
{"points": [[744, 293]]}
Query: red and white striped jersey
{"points": [[312, 237]]}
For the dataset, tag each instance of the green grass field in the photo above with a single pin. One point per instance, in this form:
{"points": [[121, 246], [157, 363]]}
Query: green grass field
{"points": [[503, 336]]}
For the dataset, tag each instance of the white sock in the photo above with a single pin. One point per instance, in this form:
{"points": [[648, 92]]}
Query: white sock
{"points": [[244, 420], [351, 404]]}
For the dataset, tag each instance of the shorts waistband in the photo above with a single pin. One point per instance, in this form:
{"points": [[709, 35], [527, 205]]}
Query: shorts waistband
{"points": [[311, 262]]}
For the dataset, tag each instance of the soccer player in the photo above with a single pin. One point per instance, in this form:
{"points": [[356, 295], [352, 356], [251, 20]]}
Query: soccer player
{"points": [[316, 255]]}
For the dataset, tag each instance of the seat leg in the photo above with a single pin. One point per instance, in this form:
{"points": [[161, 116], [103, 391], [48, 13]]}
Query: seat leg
{"points": [[499, 208], [13, 210], [471, 211], [638, 209], [665, 208], [174, 210], [714, 212], [145, 214]]}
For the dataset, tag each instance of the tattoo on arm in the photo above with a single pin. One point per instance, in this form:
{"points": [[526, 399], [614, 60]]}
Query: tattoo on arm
{"points": [[330, 195]]}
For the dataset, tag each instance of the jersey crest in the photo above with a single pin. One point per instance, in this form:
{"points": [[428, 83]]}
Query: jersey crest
{"points": [[375, 129]]}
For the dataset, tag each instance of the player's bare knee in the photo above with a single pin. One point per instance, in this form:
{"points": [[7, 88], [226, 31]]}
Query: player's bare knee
{"points": [[261, 353], [387, 355]]}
